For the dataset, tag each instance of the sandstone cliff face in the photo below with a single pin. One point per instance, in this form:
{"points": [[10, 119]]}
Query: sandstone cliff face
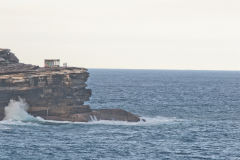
{"points": [[52, 93]]}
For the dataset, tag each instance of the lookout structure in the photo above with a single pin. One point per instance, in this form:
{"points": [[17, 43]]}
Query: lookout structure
{"points": [[52, 63]]}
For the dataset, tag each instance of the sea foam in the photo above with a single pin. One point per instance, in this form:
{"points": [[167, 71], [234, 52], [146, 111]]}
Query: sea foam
{"points": [[145, 121], [17, 111]]}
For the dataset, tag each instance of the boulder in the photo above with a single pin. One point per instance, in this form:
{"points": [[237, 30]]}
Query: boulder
{"points": [[8, 56], [12, 58], [115, 115]]}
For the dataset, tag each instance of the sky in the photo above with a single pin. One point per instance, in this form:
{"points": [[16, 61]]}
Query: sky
{"points": [[126, 34]]}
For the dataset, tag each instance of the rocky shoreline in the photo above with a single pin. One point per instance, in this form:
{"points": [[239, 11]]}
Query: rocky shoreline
{"points": [[52, 93]]}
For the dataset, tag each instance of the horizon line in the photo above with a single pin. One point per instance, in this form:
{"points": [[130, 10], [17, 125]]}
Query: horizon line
{"points": [[168, 69]]}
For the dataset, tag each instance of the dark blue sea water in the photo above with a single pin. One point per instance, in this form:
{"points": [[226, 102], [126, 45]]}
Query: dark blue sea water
{"points": [[190, 115]]}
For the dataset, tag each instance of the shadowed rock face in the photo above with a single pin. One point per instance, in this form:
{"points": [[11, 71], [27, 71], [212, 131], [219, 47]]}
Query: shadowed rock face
{"points": [[52, 93]]}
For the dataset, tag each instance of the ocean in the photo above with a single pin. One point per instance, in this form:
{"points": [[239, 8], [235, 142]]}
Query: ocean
{"points": [[189, 115]]}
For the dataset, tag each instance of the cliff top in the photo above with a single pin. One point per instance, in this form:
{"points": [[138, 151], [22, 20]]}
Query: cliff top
{"points": [[9, 65]]}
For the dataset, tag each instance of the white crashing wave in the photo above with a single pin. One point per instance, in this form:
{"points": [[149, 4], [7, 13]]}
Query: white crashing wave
{"points": [[17, 111]]}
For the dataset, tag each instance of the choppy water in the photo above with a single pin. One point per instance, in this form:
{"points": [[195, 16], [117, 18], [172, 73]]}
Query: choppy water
{"points": [[190, 115]]}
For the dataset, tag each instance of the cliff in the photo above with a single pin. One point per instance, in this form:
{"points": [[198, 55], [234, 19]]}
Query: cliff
{"points": [[52, 93]]}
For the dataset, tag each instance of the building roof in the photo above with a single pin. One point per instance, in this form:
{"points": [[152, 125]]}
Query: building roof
{"points": [[52, 59]]}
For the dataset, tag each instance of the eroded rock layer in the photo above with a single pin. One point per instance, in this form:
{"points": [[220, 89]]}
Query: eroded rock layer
{"points": [[52, 93]]}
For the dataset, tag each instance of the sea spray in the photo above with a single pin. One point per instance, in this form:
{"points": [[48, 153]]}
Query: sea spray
{"points": [[145, 121], [17, 111], [148, 121]]}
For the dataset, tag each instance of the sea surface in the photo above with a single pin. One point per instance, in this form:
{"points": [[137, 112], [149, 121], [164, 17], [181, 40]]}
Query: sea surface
{"points": [[190, 115]]}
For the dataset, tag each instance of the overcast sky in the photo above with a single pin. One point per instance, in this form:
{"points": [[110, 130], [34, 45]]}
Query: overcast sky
{"points": [[136, 34]]}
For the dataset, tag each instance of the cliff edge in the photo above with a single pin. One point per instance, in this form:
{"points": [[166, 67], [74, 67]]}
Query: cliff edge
{"points": [[52, 93]]}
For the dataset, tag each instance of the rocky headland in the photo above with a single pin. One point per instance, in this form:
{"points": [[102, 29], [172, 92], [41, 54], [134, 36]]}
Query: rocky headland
{"points": [[56, 93]]}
